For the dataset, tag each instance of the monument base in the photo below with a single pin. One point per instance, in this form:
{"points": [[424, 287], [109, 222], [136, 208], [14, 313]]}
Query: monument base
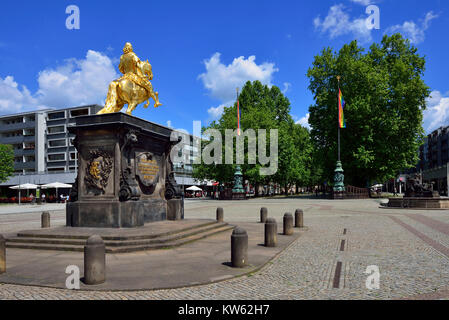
{"points": [[125, 173], [238, 196], [175, 209], [418, 203], [105, 214]]}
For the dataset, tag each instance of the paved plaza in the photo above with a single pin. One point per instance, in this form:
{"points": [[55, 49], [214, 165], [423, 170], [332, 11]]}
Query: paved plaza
{"points": [[326, 261]]}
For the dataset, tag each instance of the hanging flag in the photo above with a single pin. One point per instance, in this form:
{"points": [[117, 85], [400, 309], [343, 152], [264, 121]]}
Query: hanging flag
{"points": [[238, 117], [341, 107]]}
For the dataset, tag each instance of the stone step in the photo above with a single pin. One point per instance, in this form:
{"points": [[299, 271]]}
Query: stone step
{"points": [[31, 234], [117, 243], [172, 244], [169, 243]]}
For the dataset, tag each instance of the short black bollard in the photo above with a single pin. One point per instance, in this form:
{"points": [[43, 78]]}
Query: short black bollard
{"points": [[45, 219], [299, 218], [2, 254], [220, 214], [263, 214], [288, 224], [271, 230], [94, 260], [239, 248]]}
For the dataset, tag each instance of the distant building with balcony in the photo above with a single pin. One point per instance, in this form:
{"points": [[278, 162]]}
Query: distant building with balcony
{"points": [[43, 148], [434, 158]]}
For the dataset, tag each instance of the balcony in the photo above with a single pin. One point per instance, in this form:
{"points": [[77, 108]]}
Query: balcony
{"points": [[17, 126], [24, 165], [24, 152]]}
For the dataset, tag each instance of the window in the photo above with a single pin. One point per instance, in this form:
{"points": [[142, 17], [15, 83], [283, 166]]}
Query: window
{"points": [[29, 146], [72, 155], [60, 169], [30, 159], [57, 143], [29, 133], [56, 157], [56, 129], [56, 115], [79, 112]]}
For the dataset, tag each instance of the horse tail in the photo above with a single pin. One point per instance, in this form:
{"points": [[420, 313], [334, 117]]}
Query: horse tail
{"points": [[111, 99]]}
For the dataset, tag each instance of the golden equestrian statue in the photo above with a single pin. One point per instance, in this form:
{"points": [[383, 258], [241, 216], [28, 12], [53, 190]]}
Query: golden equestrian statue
{"points": [[133, 87]]}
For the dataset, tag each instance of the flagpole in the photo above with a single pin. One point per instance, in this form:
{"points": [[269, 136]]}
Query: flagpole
{"points": [[339, 186], [338, 96]]}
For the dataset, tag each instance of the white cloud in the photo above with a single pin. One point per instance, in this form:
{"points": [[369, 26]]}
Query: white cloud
{"points": [[287, 86], [216, 112], [338, 23], [437, 112], [13, 98], [364, 2], [222, 80], [76, 82], [413, 31], [304, 121]]}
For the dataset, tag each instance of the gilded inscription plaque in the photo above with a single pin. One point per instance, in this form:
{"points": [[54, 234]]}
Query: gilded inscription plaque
{"points": [[147, 168]]}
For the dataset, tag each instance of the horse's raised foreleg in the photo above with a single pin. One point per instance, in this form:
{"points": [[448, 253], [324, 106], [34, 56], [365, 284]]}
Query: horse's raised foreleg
{"points": [[156, 100]]}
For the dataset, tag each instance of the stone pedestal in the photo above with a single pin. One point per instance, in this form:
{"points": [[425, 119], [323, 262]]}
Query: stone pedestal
{"points": [[125, 174], [175, 209]]}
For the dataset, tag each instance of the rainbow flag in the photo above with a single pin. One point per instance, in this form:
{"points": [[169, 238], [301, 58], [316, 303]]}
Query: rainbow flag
{"points": [[238, 117], [341, 107]]}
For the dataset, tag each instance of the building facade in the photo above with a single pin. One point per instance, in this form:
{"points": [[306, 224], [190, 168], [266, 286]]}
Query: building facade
{"points": [[434, 157], [43, 148]]}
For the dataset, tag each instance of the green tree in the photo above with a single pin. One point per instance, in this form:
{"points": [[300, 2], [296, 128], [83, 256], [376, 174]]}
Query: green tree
{"points": [[385, 97], [6, 162], [267, 108]]}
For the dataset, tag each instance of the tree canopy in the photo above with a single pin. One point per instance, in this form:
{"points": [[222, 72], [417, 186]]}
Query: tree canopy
{"points": [[385, 97], [6, 162]]}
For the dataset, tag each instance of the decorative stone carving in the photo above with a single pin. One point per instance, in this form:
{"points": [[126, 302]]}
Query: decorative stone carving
{"points": [[128, 185], [172, 189], [98, 169]]}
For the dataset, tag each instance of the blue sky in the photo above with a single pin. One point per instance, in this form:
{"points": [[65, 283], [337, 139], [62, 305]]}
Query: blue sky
{"points": [[201, 50]]}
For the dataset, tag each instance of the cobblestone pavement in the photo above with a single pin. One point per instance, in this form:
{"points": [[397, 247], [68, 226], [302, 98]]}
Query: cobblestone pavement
{"points": [[410, 248]]}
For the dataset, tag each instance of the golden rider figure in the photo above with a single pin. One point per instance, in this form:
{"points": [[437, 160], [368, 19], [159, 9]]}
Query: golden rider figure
{"points": [[133, 87]]}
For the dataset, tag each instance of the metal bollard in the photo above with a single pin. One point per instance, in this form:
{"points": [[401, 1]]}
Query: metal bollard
{"points": [[263, 214], [239, 248], [271, 229], [2, 254], [94, 260], [288, 224], [45, 219], [220, 214], [299, 218]]}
